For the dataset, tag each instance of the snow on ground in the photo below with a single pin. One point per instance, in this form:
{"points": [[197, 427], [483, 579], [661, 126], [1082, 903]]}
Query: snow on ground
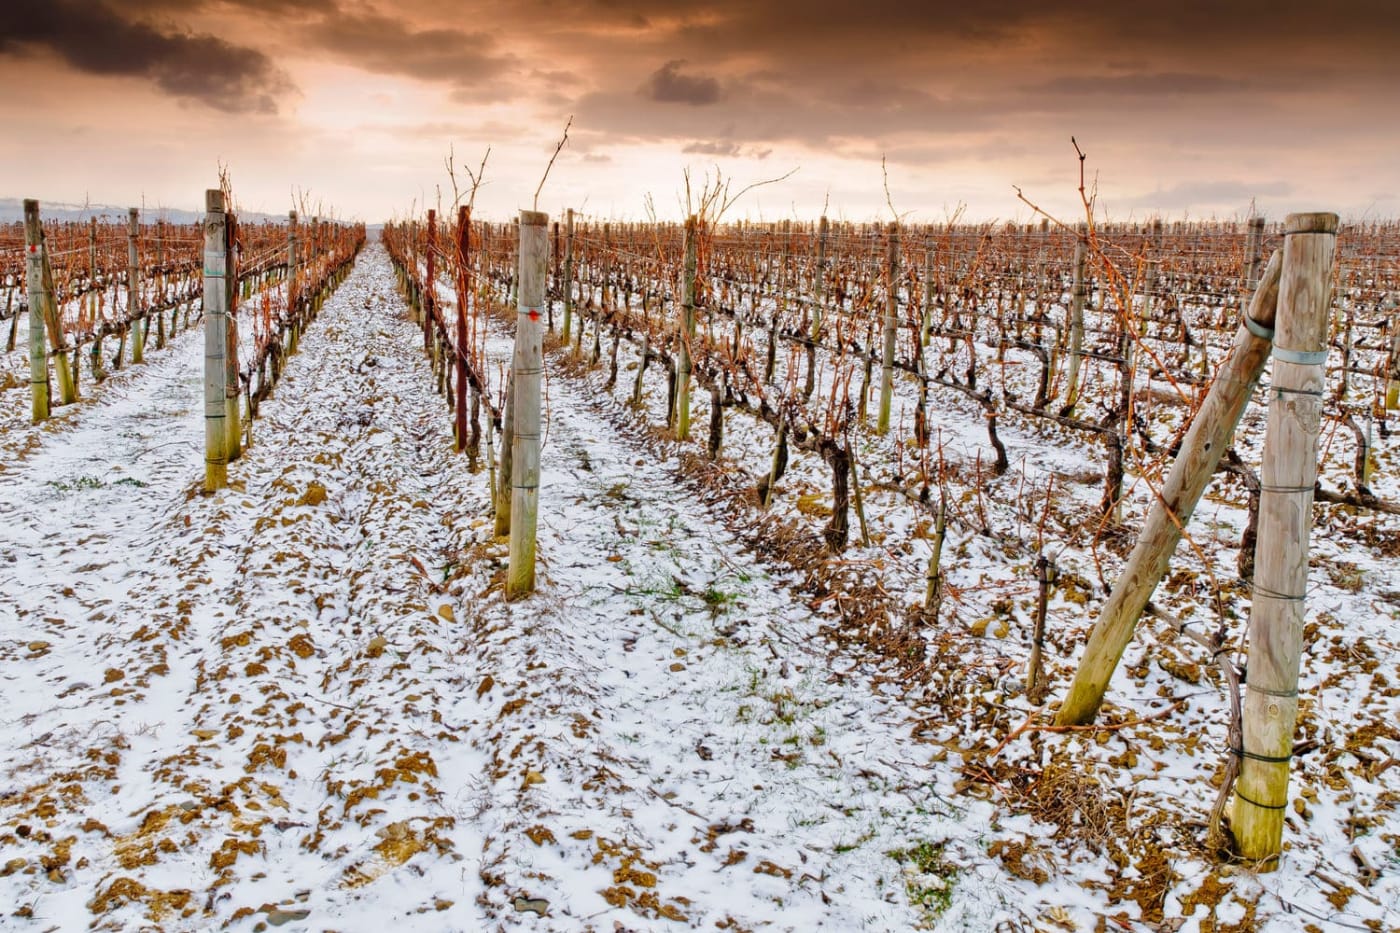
{"points": [[303, 701]]}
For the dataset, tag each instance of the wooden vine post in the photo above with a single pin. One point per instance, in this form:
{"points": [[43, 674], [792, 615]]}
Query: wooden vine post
{"points": [[133, 285], [1287, 475], [568, 276], [818, 290], [293, 312], [233, 419], [459, 361], [37, 284], [526, 369], [1078, 298], [687, 331], [430, 283], [891, 326], [215, 340], [1206, 441]]}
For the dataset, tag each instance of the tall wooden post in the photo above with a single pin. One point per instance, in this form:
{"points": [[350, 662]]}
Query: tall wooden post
{"points": [[133, 285], [459, 358], [34, 254], [526, 368], [818, 295], [215, 340], [891, 327], [1201, 450], [687, 331], [1286, 480], [430, 282], [233, 420], [95, 305], [568, 276], [293, 285], [1078, 298]]}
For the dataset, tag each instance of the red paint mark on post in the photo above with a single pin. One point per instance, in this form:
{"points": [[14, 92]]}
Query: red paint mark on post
{"points": [[534, 314]]}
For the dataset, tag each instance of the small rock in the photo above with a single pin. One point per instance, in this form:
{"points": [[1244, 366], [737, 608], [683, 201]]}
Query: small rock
{"points": [[38, 646], [204, 735], [445, 611], [533, 905], [533, 777], [277, 916]]}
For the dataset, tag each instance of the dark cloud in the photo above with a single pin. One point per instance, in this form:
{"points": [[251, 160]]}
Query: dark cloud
{"points": [[469, 61], [667, 85], [94, 38]]}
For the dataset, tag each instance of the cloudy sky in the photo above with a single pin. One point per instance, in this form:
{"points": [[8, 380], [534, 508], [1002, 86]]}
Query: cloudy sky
{"points": [[1184, 107]]}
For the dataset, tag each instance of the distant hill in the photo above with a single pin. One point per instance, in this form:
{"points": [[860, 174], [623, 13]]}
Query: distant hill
{"points": [[12, 210]]}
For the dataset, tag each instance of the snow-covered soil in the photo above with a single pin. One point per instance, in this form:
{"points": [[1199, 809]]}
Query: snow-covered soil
{"points": [[304, 702]]}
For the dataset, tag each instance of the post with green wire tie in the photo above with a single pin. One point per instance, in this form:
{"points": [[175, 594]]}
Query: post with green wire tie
{"points": [[215, 341], [1287, 476]]}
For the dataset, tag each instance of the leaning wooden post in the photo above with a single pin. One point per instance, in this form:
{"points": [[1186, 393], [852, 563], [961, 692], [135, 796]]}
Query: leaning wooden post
{"points": [[568, 276], [215, 340], [687, 331], [1286, 480], [526, 368], [38, 301], [133, 285], [891, 327], [1201, 451]]}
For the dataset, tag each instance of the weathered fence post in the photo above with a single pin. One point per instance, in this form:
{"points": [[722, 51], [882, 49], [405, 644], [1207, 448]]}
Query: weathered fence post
{"points": [[233, 421], [1201, 450], [1078, 298], [568, 276], [1286, 480], [38, 300], [526, 368], [459, 357], [891, 326], [818, 294], [95, 305], [293, 287], [133, 286], [687, 331], [215, 340]]}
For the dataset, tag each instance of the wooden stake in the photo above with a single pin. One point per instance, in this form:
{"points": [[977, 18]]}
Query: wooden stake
{"points": [[891, 326], [38, 300], [526, 370], [687, 331], [133, 286], [233, 420], [568, 276], [1201, 451], [1287, 476], [818, 295], [1078, 298], [215, 340]]}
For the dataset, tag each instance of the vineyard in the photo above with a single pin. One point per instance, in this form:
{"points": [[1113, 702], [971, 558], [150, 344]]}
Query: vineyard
{"points": [[593, 575]]}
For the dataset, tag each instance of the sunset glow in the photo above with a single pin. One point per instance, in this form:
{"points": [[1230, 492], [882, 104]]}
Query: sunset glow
{"points": [[1196, 110]]}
